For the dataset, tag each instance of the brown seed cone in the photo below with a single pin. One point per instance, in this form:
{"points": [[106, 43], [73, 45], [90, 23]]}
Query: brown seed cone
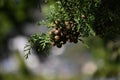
{"points": [[63, 42], [60, 29], [68, 27], [75, 41], [65, 33], [61, 34], [57, 37], [76, 34], [59, 45], [53, 43], [57, 31], [53, 30], [66, 23], [69, 40], [67, 36]]}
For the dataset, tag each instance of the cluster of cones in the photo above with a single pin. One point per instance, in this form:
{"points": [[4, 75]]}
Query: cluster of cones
{"points": [[62, 32]]}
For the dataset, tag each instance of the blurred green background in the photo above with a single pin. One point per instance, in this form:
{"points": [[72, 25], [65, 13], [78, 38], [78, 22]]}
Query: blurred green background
{"points": [[99, 61]]}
